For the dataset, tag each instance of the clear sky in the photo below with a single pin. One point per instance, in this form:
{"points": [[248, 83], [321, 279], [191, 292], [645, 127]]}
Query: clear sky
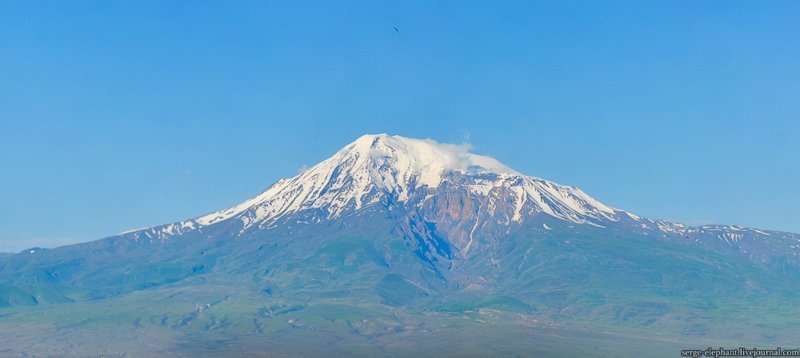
{"points": [[117, 115]]}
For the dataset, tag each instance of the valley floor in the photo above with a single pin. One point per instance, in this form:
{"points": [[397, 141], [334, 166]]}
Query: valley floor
{"points": [[322, 331]]}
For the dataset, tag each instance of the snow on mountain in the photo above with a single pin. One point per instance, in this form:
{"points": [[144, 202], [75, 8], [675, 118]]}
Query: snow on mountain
{"points": [[382, 169], [373, 164]]}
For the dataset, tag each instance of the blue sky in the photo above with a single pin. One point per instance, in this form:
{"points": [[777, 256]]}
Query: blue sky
{"points": [[117, 115]]}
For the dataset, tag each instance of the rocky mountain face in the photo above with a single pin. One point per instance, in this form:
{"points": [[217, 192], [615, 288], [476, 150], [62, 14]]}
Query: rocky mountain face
{"points": [[422, 228]]}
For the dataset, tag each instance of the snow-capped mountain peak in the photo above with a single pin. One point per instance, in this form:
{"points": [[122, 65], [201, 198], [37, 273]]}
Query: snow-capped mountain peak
{"points": [[423, 159], [381, 168], [360, 172]]}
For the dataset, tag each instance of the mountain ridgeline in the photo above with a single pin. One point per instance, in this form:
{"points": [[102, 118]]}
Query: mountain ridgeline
{"points": [[395, 240]]}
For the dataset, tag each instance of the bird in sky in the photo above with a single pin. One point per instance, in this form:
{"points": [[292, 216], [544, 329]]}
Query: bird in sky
{"points": [[395, 29]]}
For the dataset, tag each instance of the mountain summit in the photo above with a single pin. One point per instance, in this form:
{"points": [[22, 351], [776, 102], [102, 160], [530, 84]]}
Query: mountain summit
{"points": [[394, 240], [390, 171], [363, 172]]}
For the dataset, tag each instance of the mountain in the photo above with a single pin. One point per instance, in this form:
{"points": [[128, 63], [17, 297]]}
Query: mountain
{"points": [[393, 245], [379, 171]]}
